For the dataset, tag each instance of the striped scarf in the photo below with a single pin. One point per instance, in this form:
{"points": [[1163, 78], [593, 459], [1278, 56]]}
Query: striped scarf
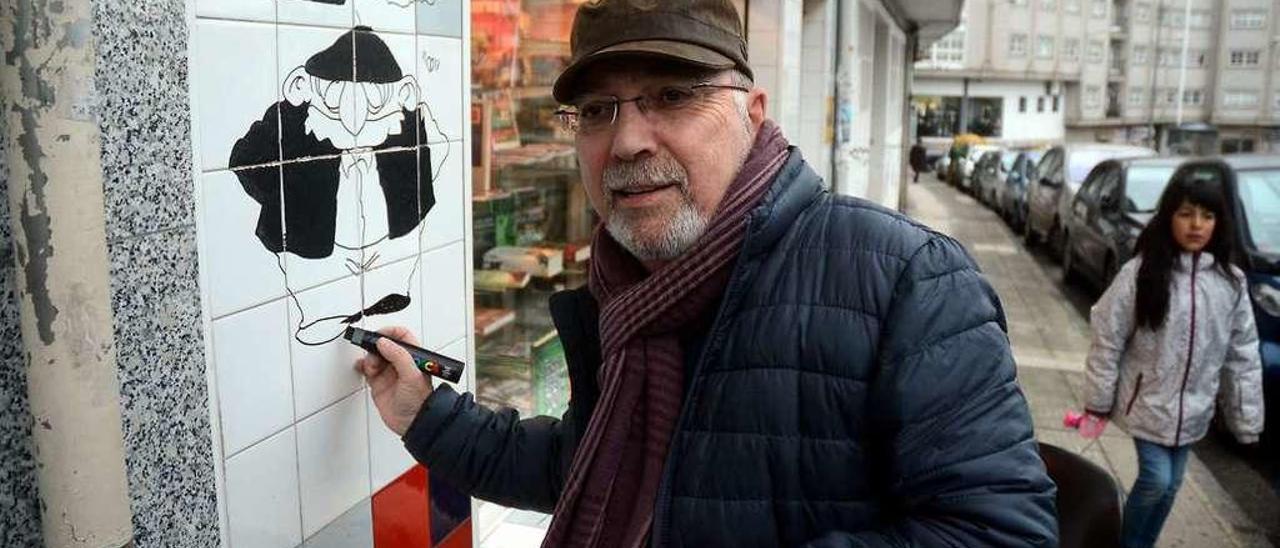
{"points": [[609, 496]]}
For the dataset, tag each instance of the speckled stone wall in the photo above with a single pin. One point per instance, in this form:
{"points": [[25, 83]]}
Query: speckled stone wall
{"points": [[19, 504], [144, 116]]}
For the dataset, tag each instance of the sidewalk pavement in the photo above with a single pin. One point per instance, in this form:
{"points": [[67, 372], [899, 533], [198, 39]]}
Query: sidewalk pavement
{"points": [[1049, 333]]}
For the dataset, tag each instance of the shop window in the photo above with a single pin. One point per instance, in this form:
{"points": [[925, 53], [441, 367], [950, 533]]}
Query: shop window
{"points": [[531, 221]]}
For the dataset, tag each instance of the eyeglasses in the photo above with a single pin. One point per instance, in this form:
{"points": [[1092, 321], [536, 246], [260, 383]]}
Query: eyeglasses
{"points": [[597, 113]]}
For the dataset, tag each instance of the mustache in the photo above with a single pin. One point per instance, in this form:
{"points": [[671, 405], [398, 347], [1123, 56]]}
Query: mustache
{"points": [[651, 171]]}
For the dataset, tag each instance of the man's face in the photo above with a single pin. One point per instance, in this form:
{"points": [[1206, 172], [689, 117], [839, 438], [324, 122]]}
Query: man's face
{"points": [[656, 180]]}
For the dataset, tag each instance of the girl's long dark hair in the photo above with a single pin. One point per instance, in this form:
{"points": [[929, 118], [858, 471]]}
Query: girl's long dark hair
{"points": [[1160, 252]]}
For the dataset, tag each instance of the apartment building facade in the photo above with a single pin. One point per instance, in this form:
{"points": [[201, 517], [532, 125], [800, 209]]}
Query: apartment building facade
{"points": [[1179, 77]]}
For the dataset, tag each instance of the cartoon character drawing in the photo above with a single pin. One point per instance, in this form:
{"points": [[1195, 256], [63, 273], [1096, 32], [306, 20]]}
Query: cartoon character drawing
{"points": [[347, 132]]}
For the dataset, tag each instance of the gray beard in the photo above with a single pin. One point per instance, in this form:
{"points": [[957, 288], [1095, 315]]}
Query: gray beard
{"points": [[677, 237]]}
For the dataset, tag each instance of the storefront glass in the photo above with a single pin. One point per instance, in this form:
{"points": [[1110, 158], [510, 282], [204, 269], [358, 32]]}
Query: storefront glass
{"points": [[532, 225]]}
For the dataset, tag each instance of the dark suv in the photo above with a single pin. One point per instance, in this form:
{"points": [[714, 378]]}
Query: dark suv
{"points": [[1113, 205]]}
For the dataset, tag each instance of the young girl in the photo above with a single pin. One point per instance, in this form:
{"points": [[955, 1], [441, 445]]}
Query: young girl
{"points": [[1174, 330]]}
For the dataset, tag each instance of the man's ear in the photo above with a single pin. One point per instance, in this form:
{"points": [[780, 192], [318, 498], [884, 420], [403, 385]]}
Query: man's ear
{"points": [[407, 93], [297, 87], [757, 106]]}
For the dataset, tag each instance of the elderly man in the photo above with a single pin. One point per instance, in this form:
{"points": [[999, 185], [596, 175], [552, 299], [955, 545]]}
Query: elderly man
{"points": [[755, 361]]}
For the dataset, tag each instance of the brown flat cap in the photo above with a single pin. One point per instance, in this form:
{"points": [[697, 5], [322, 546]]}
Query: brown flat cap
{"points": [[704, 33]]}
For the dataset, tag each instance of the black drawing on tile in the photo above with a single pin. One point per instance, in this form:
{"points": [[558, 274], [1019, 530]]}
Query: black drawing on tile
{"points": [[347, 132]]}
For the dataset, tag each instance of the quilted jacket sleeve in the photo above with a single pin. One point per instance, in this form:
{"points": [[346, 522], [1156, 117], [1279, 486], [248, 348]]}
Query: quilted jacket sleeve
{"points": [[1240, 393], [493, 455], [953, 432], [1112, 321]]}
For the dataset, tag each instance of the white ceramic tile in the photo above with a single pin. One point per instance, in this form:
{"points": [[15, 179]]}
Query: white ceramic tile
{"points": [[375, 205], [386, 15], [440, 18], [297, 46], [262, 494], [445, 222], [242, 272], [251, 354], [324, 374], [444, 318], [233, 55], [244, 10], [403, 277], [402, 48], [440, 76], [387, 455], [328, 13], [333, 462]]}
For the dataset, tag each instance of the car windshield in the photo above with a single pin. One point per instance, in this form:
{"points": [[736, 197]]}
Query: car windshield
{"points": [[1144, 186], [1082, 162], [1259, 192]]}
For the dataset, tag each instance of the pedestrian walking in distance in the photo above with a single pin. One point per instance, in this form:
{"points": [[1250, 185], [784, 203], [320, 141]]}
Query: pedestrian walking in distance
{"points": [[1172, 333]]}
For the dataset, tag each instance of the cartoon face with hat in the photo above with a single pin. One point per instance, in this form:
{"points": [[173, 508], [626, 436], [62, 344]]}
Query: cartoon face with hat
{"points": [[347, 132]]}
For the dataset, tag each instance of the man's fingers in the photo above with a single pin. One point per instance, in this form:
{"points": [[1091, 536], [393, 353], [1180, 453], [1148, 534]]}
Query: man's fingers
{"points": [[399, 358], [400, 333]]}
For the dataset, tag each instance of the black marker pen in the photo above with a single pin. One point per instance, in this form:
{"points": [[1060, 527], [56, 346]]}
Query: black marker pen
{"points": [[427, 361]]}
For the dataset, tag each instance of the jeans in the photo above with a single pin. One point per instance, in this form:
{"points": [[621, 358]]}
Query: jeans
{"points": [[1160, 471]]}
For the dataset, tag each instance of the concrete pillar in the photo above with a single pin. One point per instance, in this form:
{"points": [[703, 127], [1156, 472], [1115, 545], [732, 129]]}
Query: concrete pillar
{"points": [[56, 200]]}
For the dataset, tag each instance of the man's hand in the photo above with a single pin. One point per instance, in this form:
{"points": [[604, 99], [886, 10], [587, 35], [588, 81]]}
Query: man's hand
{"points": [[399, 388]]}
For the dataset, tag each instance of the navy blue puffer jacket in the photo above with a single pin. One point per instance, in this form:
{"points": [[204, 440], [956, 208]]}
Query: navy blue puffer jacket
{"points": [[855, 389]]}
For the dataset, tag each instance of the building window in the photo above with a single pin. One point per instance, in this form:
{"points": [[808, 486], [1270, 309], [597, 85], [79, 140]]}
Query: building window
{"points": [[1248, 19], [1072, 6], [1040, 104], [1049, 5], [1057, 103], [1171, 17], [939, 116], [1136, 96], [1201, 20], [1100, 8], [1017, 45], [1044, 47], [1095, 52], [1022, 104], [1140, 55], [1244, 58], [1170, 96], [947, 52], [1168, 57], [1071, 49], [1192, 97], [1239, 99], [1142, 12]]}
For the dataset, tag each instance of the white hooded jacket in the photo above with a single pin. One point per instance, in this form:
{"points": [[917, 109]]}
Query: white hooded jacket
{"points": [[1161, 385]]}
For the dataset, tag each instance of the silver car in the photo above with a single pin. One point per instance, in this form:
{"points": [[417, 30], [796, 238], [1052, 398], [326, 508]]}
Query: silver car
{"points": [[1058, 176]]}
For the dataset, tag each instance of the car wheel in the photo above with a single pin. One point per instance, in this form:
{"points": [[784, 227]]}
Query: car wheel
{"points": [[1068, 263]]}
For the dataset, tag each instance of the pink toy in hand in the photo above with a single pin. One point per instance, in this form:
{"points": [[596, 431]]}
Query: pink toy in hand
{"points": [[1089, 425]]}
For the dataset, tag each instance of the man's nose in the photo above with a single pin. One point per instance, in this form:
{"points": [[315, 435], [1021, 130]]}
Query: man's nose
{"points": [[633, 134], [352, 109]]}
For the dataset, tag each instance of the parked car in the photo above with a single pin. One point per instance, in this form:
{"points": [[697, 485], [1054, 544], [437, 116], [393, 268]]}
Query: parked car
{"points": [[1255, 180], [969, 165], [1058, 176], [1113, 205], [942, 167], [989, 175], [1013, 200]]}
